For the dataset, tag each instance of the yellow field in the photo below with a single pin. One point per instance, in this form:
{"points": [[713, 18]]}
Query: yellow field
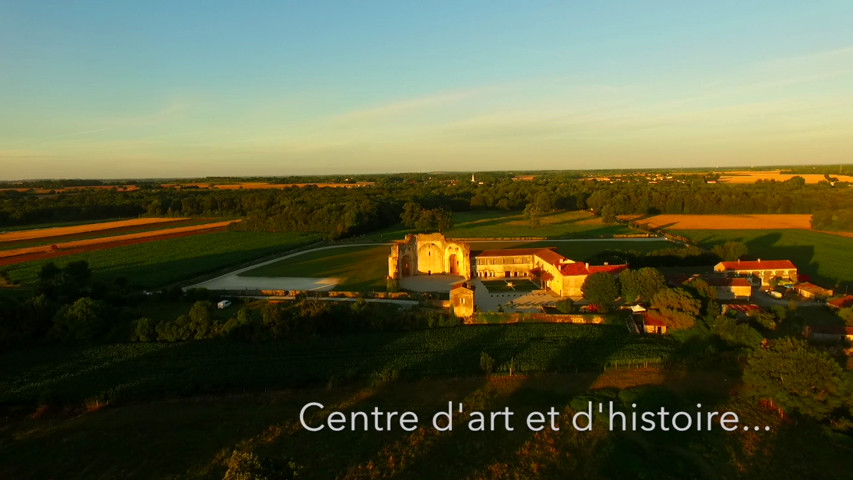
{"points": [[746, 176], [722, 222], [76, 229]]}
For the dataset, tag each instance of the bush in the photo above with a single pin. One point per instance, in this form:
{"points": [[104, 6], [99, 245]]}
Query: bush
{"points": [[487, 363]]}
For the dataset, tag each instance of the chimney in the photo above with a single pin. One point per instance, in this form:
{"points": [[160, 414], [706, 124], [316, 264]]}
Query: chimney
{"points": [[759, 260], [587, 266], [606, 263]]}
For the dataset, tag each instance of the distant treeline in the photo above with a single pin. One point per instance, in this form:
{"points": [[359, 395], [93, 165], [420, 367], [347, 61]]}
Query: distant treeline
{"points": [[339, 212], [833, 220]]}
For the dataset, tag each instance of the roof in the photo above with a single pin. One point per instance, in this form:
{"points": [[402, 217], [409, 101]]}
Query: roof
{"points": [[550, 256], [813, 289], [759, 265], [743, 308], [842, 302], [511, 252], [579, 268]]}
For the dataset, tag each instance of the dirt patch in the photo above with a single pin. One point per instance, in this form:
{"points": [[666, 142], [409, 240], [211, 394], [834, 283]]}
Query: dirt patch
{"points": [[722, 222]]}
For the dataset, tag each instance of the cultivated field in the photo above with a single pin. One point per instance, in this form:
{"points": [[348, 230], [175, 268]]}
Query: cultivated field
{"points": [[747, 176], [722, 222], [27, 254], [491, 224], [166, 261], [40, 233]]}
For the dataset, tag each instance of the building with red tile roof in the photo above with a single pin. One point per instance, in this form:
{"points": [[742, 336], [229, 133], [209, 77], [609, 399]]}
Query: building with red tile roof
{"points": [[764, 270], [841, 302]]}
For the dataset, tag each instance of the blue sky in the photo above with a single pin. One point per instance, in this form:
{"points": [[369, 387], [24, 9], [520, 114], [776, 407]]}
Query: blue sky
{"points": [[145, 89]]}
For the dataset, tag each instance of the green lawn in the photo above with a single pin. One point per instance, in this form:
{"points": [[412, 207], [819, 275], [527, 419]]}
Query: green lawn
{"points": [[162, 262], [827, 258], [499, 224], [359, 268]]}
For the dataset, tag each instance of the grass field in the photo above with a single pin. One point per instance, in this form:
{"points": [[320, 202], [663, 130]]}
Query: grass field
{"points": [[192, 437], [827, 258], [163, 262], [582, 249], [359, 268], [498, 224]]}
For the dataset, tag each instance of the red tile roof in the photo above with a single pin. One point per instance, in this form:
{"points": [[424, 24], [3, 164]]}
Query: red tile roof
{"points": [[749, 307], [607, 268], [550, 256], [579, 268], [842, 302], [760, 265]]}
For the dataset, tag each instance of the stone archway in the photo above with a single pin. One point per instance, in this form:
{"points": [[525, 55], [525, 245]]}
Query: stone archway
{"points": [[453, 264], [430, 259], [406, 265]]}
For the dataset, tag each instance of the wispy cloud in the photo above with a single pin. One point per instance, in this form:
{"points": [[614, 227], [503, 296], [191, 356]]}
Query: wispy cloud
{"points": [[413, 104]]}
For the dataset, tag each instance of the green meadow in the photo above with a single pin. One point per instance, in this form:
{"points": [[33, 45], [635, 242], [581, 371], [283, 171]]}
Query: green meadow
{"points": [[163, 262], [825, 257]]}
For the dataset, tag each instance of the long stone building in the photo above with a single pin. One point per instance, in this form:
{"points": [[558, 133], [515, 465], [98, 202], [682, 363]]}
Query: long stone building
{"points": [[428, 254]]}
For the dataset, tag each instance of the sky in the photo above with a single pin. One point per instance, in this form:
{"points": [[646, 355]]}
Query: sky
{"points": [[145, 89]]}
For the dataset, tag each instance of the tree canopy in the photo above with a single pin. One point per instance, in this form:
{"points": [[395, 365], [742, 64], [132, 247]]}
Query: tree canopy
{"points": [[600, 288], [797, 377]]}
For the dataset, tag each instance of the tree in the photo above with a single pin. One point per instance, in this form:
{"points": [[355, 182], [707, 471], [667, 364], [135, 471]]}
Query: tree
{"points": [[201, 319], [143, 331], [544, 202], [600, 288], [677, 307], [565, 305], [797, 377], [643, 283], [532, 214], [608, 215], [487, 363], [81, 320], [730, 251], [443, 219], [411, 213]]}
